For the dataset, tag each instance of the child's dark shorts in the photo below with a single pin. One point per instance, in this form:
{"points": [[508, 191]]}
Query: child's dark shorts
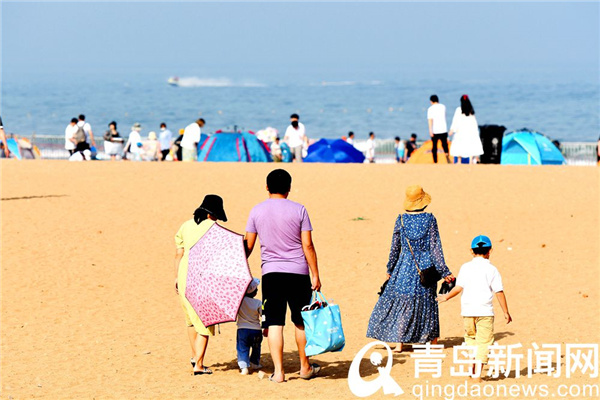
{"points": [[280, 289]]}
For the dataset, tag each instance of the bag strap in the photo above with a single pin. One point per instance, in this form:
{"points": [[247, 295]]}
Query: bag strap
{"points": [[315, 296], [409, 246]]}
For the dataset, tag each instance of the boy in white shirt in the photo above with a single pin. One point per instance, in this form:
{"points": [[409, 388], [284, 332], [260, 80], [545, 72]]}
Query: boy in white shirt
{"points": [[478, 280], [249, 334]]}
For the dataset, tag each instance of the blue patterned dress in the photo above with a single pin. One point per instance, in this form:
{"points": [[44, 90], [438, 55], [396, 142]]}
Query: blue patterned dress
{"points": [[406, 311]]}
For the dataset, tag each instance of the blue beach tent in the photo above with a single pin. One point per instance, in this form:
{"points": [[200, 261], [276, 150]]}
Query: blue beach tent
{"points": [[286, 153], [529, 148], [333, 151], [233, 147]]}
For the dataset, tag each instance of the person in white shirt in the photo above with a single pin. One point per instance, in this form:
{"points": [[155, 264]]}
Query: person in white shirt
{"points": [[190, 140], [370, 153], [70, 131], [165, 137], [87, 128], [478, 281], [466, 145], [276, 150], [133, 147], [438, 129], [295, 137], [249, 334], [350, 138]]}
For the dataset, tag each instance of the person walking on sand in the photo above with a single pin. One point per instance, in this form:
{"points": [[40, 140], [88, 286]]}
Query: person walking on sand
{"points": [[407, 311], [188, 235], [370, 153], [438, 129], [165, 137], [466, 145], [249, 337], [70, 131], [190, 140], [289, 268], [87, 128], [350, 139], [478, 281], [113, 142], [295, 137], [133, 147]]}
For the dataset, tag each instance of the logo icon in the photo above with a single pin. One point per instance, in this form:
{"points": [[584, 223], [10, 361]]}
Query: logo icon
{"points": [[361, 388]]}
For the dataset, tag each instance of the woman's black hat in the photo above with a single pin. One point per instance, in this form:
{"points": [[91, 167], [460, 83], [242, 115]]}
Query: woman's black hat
{"points": [[213, 205]]}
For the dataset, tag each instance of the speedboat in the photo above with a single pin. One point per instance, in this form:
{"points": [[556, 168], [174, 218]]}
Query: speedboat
{"points": [[173, 81]]}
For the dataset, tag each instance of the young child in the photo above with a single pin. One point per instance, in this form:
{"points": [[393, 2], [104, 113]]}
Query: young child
{"points": [[249, 335], [478, 280]]}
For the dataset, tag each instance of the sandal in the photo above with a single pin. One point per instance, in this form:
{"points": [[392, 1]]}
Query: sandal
{"points": [[314, 370], [204, 371], [271, 379]]}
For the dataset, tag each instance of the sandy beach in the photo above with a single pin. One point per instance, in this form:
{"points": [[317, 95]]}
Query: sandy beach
{"points": [[88, 304]]}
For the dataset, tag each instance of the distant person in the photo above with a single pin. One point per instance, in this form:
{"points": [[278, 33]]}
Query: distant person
{"points": [[176, 148], [151, 148], [133, 147], [205, 216], [70, 131], [411, 146], [249, 335], [5, 151], [350, 138], [191, 138], [295, 137], [87, 128], [438, 129], [165, 137], [289, 267], [466, 145], [276, 150], [399, 149], [478, 281], [113, 142], [370, 153], [597, 149]]}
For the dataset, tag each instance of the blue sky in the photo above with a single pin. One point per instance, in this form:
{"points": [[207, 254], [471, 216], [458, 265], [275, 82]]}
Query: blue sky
{"points": [[290, 40]]}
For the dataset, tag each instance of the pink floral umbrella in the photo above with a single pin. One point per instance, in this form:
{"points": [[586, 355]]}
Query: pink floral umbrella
{"points": [[218, 275]]}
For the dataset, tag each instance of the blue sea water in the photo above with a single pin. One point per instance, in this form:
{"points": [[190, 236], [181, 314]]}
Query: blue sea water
{"points": [[565, 107]]}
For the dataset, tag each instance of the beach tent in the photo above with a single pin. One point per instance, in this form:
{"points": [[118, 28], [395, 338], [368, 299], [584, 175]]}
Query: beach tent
{"points": [[333, 151], [234, 147], [286, 153], [529, 148], [422, 155]]}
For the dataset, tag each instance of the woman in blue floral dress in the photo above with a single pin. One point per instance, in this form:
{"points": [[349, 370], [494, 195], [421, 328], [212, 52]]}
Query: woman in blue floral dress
{"points": [[407, 312]]}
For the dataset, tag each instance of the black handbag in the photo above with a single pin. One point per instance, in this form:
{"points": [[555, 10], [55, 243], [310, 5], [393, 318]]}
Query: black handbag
{"points": [[429, 277]]}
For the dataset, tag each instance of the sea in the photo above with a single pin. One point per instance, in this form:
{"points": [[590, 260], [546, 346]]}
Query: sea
{"points": [[565, 107]]}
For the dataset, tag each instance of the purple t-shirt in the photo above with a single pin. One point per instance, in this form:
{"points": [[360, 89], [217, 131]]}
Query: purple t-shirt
{"points": [[279, 224]]}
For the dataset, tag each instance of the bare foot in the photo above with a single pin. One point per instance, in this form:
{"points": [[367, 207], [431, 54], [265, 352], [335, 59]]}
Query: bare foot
{"points": [[398, 348]]}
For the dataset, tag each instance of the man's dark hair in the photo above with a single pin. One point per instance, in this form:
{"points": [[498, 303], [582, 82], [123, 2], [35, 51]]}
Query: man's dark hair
{"points": [[350, 134], [112, 123], [413, 135], [202, 119], [481, 251], [371, 134], [81, 117], [74, 120], [279, 181], [434, 98], [397, 138], [294, 116], [163, 124]]}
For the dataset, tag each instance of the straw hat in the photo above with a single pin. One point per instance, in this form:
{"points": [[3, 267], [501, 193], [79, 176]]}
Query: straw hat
{"points": [[416, 198]]}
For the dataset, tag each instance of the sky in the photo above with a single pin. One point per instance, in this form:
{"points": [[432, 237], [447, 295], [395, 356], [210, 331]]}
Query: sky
{"points": [[340, 40]]}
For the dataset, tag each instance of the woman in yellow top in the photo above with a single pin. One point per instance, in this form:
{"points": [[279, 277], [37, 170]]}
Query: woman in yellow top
{"points": [[189, 233]]}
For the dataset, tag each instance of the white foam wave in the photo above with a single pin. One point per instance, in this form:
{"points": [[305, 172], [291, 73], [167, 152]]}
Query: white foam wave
{"points": [[194, 81]]}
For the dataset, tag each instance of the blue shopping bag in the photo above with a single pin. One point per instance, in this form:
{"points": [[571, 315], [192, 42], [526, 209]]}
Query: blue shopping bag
{"points": [[322, 326]]}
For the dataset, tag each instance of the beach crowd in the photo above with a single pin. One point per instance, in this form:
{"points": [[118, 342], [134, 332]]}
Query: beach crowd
{"points": [[164, 146], [406, 311]]}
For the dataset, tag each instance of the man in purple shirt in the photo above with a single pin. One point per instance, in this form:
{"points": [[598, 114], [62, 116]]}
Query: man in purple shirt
{"points": [[289, 267]]}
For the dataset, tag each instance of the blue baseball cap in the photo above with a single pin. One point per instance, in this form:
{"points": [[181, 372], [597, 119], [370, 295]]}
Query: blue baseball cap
{"points": [[481, 241]]}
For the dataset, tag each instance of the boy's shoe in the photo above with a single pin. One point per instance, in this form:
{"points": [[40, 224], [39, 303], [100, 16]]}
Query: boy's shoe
{"points": [[255, 367], [244, 371]]}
